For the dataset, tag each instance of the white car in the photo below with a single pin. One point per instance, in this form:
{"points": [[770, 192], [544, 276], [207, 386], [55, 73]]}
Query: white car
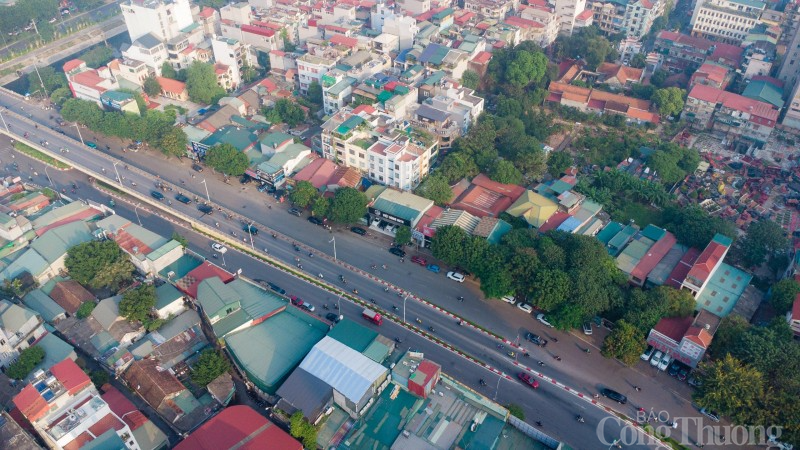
{"points": [[509, 299], [647, 353], [525, 307], [540, 318], [219, 247], [455, 276], [656, 359], [665, 360]]}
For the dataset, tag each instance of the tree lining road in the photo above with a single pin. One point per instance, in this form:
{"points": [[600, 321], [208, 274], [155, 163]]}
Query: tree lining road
{"points": [[549, 404], [354, 251]]}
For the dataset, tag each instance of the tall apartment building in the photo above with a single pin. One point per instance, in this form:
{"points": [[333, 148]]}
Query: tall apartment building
{"points": [[572, 14], [412, 7], [639, 16], [491, 9], [67, 412], [234, 54], [164, 19], [726, 21], [609, 15], [311, 68]]}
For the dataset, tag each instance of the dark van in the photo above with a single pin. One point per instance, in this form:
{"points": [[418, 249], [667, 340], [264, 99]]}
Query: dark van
{"points": [[157, 195], [183, 199], [614, 395]]}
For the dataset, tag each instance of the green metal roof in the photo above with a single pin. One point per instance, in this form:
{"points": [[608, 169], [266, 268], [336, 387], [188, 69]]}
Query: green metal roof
{"points": [[163, 249], [616, 243], [763, 91], [239, 138], [353, 335], [44, 305], [653, 232], [725, 286], [215, 297], [339, 87], [349, 124], [255, 301], [54, 243], [30, 261], [721, 239], [269, 351], [230, 323], [166, 294], [394, 209], [384, 95], [273, 140]]}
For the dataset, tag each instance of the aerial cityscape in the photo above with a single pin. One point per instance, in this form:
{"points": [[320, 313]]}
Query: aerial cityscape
{"points": [[399, 224]]}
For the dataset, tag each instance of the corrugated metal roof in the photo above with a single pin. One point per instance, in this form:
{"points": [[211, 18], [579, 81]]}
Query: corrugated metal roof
{"points": [[346, 370], [44, 305]]}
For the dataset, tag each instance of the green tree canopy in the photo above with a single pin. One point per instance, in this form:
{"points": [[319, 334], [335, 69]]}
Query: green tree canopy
{"points": [[52, 80], [348, 205], [659, 77], [303, 194], [639, 61], [693, 226], [587, 43], [436, 188], [783, 294], [730, 387], [558, 162], [302, 430], [168, 72], [470, 79], [315, 93], [403, 235], [26, 361], [285, 111], [201, 83], [97, 56], [625, 343], [99, 264], [448, 244], [208, 367], [669, 100], [137, 304], [85, 310], [525, 67], [227, 159], [173, 142], [151, 86], [504, 171], [457, 165], [321, 206], [763, 239]]}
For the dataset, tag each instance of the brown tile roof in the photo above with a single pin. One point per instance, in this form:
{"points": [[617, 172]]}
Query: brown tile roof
{"points": [[153, 385], [170, 85], [622, 73], [346, 177], [70, 295]]}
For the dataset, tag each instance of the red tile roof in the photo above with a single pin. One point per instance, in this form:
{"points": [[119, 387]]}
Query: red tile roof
{"points": [[707, 261], [554, 221], [317, 172], [653, 256], [70, 376], [699, 336], [239, 427], [70, 295], [523, 23], [188, 284], [90, 79], [484, 197], [674, 327], [207, 12], [107, 422], [369, 109], [79, 441], [338, 39], [482, 57], [727, 53], [72, 65], [30, 403], [123, 407], [268, 84], [713, 72], [736, 102], [260, 31], [683, 267], [796, 308], [587, 13], [699, 43]]}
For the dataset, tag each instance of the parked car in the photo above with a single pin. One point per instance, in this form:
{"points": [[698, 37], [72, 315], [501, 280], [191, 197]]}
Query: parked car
{"points": [[91, 144], [359, 231], [419, 260], [294, 212], [674, 368], [710, 414], [157, 195], [296, 301], [335, 318], [535, 338], [276, 288], [315, 220], [308, 307], [683, 372], [694, 381], [509, 299], [250, 229], [540, 317], [433, 268], [205, 209], [197, 167], [647, 353], [219, 247], [528, 379], [656, 359], [587, 328], [525, 307], [263, 187], [397, 252], [665, 360], [455, 276], [244, 179], [614, 395], [183, 199]]}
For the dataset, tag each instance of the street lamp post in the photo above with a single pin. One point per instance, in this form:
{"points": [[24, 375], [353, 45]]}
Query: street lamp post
{"points": [[119, 178], [249, 232], [48, 178], [135, 208], [333, 239], [404, 308], [79, 133], [338, 305], [497, 389], [4, 122], [208, 197]]}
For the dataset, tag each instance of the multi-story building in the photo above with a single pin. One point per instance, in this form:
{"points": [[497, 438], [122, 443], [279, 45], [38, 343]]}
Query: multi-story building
{"points": [[399, 160], [149, 50], [745, 121], [412, 7], [311, 68], [609, 15], [20, 328], [405, 28], [491, 9], [88, 84], [726, 20], [337, 89], [187, 48], [639, 16], [163, 19], [130, 70], [238, 13], [789, 71], [67, 412], [234, 54], [545, 15], [572, 14], [683, 52]]}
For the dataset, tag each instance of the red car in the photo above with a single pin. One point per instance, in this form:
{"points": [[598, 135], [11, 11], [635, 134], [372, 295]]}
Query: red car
{"points": [[296, 301], [528, 379], [419, 260]]}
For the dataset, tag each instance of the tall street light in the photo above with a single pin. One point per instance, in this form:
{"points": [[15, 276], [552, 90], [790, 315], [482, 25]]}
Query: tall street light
{"points": [[119, 178], [135, 208], [497, 389], [79, 133], [404, 307], [333, 239], [208, 197], [249, 232], [4, 119], [48, 178]]}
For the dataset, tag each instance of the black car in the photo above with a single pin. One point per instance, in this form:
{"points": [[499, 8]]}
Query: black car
{"points": [[535, 338], [276, 288], [157, 195], [197, 167], [614, 395], [294, 212], [251, 229], [674, 368], [332, 317], [397, 252], [205, 209], [183, 199], [245, 179], [359, 231], [315, 220]]}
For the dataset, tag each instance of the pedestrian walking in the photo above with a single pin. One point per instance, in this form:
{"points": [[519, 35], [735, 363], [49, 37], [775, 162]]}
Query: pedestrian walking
{"points": [[637, 389]]}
